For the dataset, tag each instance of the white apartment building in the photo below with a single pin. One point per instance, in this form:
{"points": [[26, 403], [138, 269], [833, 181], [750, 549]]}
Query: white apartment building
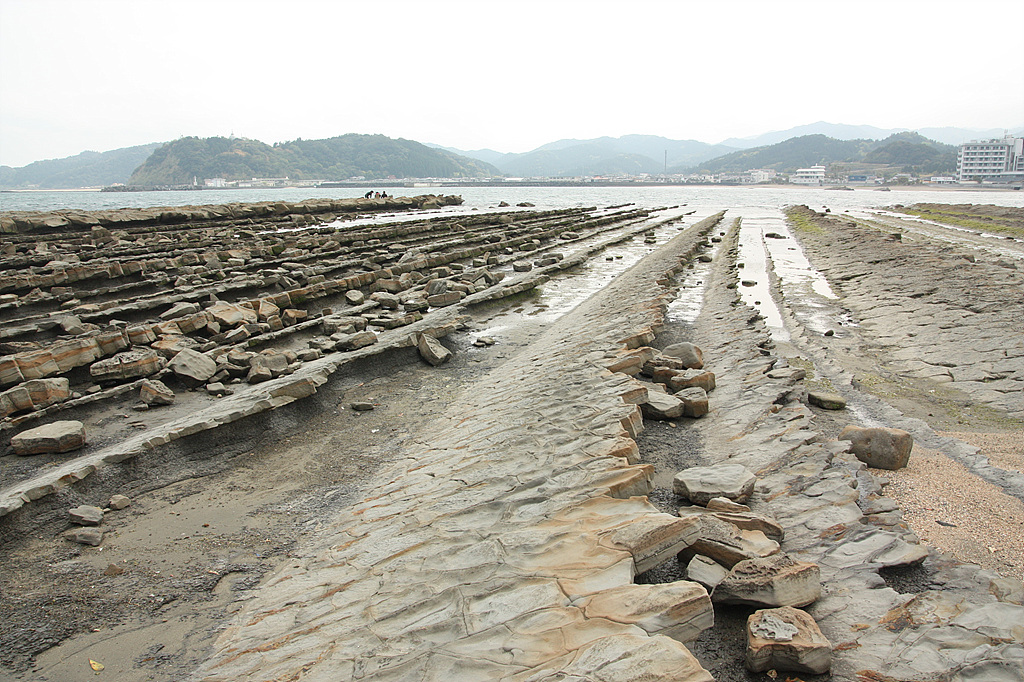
{"points": [[994, 160], [815, 175]]}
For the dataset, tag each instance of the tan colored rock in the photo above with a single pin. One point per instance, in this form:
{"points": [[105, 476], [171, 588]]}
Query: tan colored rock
{"points": [[786, 639], [701, 484], [139, 362], [432, 350], [692, 378], [705, 571], [76, 353], [230, 315], [690, 355], [37, 364], [653, 538], [776, 580], [154, 392], [10, 373], [727, 544], [695, 402], [680, 610], [661, 406], [879, 447], [56, 437]]}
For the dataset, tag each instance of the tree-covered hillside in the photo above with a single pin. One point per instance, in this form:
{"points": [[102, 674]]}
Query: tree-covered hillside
{"points": [[337, 158], [907, 151], [88, 169]]}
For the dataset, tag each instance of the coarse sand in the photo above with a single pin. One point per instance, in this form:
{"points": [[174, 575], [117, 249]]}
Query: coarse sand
{"points": [[980, 524]]}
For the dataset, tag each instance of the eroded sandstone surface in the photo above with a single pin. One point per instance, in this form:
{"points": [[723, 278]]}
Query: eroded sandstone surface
{"points": [[525, 526]]}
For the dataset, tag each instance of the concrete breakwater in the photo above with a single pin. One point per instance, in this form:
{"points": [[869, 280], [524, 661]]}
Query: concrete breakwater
{"points": [[530, 529]]}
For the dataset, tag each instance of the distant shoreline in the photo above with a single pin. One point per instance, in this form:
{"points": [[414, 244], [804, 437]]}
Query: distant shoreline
{"points": [[510, 185]]}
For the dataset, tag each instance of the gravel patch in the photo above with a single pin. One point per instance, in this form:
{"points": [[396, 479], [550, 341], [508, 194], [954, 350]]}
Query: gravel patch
{"points": [[958, 513]]}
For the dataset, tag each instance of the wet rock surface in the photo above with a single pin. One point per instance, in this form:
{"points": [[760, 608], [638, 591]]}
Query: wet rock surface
{"points": [[499, 529]]}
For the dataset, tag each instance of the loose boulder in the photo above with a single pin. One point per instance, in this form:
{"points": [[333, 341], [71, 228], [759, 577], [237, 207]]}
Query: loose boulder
{"points": [[661, 406], [86, 515], [776, 580], [62, 436], [881, 448], [691, 356], [192, 367], [701, 484], [432, 350], [155, 392], [695, 402], [786, 639], [826, 401]]}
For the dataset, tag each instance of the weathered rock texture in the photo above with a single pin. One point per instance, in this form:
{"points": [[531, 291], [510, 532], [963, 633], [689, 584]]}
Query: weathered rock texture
{"points": [[498, 549]]}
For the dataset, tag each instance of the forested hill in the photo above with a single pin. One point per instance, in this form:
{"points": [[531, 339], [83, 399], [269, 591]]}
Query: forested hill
{"points": [[908, 151], [88, 169], [336, 158]]}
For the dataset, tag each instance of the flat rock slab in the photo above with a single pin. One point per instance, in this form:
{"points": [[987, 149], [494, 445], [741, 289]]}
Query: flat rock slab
{"points": [[786, 639], [727, 544], [701, 484], [879, 447], [57, 437], [691, 356], [826, 401], [86, 515]]}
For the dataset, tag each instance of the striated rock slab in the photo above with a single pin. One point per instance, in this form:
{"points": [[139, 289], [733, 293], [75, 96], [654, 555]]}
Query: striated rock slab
{"points": [[680, 610], [727, 544], [776, 580]]}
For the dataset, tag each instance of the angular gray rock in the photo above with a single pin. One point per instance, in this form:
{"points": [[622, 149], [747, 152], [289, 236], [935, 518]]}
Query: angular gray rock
{"points": [[826, 401], [786, 639], [661, 406], [432, 350], [695, 402], [86, 515], [155, 392], [56, 437], [701, 484], [776, 580], [691, 356], [705, 571], [192, 367], [118, 502], [85, 536], [879, 447]]}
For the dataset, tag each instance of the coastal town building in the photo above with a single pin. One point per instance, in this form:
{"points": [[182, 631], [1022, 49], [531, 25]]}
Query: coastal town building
{"points": [[815, 175], [991, 160]]}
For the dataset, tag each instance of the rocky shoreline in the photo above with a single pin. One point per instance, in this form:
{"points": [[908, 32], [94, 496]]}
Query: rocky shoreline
{"points": [[526, 523]]}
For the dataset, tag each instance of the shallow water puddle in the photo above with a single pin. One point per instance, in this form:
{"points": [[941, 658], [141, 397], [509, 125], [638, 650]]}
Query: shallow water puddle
{"points": [[755, 287], [568, 289]]}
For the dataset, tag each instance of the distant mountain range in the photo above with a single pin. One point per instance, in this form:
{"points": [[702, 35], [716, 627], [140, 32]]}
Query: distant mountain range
{"points": [[88, 169], [907, 151], [376, 156], [336, 158], [840, 131], [630, 154]]}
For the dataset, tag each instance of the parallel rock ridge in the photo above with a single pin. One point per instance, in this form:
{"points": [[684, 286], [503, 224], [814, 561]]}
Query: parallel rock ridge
{"points": [[506, 545], [157, 307]]}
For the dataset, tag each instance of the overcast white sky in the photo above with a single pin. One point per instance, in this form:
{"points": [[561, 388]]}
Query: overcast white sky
{"points": [[508, 75]]}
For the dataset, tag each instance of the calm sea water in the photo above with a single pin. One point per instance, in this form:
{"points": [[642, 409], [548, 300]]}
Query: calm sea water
{"points": [[770, 196]]}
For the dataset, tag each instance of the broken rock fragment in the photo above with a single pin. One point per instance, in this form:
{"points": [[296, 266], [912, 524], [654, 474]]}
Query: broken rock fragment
{"points": [[786, 639], [432, 350], [879, 447], [776, 580]]}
